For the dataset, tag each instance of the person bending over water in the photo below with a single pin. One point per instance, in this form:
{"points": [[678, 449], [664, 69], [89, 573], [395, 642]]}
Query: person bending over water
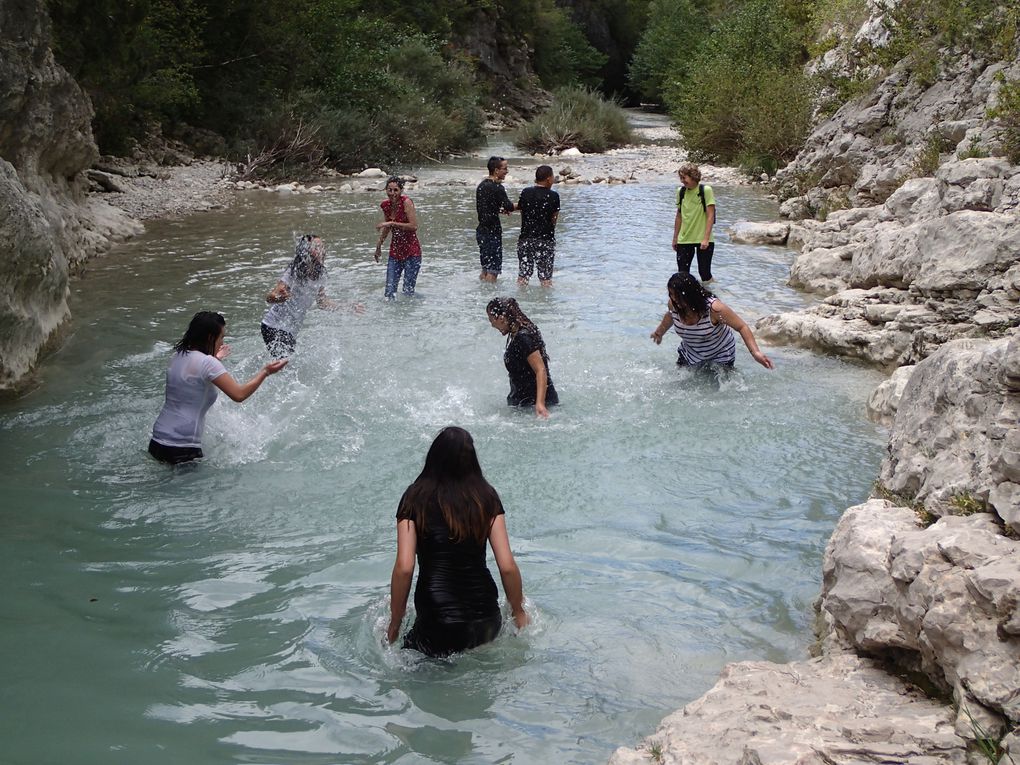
{"points": [[194, 370], [705, 325], [525, 358], [405, 249], [444, 519], [299, 286]]}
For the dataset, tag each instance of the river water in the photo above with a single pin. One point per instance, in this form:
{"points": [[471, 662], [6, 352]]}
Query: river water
{"points": [[233, 610]]}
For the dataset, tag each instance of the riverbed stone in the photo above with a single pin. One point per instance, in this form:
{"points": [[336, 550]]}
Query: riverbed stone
{"points": [[746, 232], [835, 709]]}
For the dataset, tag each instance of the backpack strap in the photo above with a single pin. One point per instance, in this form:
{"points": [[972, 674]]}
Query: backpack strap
{"points": [[701, 195]]}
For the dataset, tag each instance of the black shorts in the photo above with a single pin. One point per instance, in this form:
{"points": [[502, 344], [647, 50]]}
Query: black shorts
{"points": [[536, 252], [490, 248], [280, 343], [174, 455]]}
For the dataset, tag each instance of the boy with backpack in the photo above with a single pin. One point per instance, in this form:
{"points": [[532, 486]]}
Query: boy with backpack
{"points": [[695, 217]]}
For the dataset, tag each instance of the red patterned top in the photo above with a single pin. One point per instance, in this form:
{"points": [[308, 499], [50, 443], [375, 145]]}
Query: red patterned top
{"points": [[404, 244]]}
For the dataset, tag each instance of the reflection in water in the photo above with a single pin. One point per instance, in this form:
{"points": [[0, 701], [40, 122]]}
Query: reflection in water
{"points": [[234, 611]]}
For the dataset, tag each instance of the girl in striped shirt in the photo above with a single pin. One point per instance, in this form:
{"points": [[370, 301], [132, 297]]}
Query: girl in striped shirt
{"points": [[705, 325]]}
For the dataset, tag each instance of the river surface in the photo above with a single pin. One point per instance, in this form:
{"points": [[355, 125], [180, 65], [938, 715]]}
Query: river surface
{"points": [[233, 610]]}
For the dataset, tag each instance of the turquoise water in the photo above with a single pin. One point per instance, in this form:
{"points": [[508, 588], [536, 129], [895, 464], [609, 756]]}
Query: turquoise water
{"points": [[233, 610]]}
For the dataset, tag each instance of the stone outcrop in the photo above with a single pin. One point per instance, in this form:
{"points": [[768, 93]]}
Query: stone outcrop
{"points": [[47, 227], [836, 709], [938, 260]]}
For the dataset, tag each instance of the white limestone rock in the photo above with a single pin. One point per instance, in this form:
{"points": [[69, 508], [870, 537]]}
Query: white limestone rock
{"points": [[955, 428], [941, 600], [836, 709], [745, 232], [885, 399]]}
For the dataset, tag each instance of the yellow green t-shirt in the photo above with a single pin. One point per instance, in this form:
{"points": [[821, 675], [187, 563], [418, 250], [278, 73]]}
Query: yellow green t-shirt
{"points": [[692, 216]]}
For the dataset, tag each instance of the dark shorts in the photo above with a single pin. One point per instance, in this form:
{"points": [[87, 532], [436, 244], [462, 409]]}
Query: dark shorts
{"points": [[440, 639], [174, 455], [280, 344], [490, 248], [536, 252]]}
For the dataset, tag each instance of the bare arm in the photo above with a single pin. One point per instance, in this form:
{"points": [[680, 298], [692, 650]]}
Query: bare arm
{"points": [[664, 325], [510, 575], [541, 382], [400, 579], [278, 294], [676, 227], [324, 302], [709, 222], [238, 392], [722, 312]]}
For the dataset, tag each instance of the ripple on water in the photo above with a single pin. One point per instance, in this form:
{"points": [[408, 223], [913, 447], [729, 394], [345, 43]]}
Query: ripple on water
{"points": [[663, 527]]}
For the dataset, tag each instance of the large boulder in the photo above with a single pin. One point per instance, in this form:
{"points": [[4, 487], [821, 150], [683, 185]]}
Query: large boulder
{"points": [[941, 599], [955, 443], [836, 709]]}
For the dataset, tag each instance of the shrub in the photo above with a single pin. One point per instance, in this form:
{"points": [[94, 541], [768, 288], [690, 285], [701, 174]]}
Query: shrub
{"points": [[746, 98], [578, 117], [1007, 113], [930, 156], [675, 29]]}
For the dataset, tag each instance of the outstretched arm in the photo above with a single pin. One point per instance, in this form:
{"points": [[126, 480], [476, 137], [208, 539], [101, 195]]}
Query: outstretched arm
{"points": [[725, 314], [400, 579], [660, 331], [238, 392]]}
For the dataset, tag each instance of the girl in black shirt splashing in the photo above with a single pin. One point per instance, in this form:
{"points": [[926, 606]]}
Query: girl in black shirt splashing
{"points": [[445, 518], [525, 358]]}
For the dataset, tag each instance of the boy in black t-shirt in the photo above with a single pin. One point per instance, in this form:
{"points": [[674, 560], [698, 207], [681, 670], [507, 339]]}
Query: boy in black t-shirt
{"points": [[491, 201], [540, 209]]}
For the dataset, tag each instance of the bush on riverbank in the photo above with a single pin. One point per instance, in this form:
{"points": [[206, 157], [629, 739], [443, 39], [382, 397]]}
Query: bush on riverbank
{"points": [[578, 117], [745, 99], [364, 82]]}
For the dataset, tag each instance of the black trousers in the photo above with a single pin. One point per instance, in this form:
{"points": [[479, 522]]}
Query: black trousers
{"points": [[279, 343], [685, 255]]}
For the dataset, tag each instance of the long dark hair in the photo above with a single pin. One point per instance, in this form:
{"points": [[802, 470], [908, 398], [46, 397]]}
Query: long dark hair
{"points": [[452, 479], [686, 292], [510, 309], [304, 266], [202, 332]]}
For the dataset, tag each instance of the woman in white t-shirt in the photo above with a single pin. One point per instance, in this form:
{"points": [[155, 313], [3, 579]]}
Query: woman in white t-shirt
{"points": [[298, 288], [194, 374]]}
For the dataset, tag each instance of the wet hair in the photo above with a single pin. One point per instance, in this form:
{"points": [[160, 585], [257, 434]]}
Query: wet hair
{"points": [[304, 266], [493, 163], [202, 332], [689, 292], [453, 480], [691, 171], [510, 309], [397, 180], [543, 172]]}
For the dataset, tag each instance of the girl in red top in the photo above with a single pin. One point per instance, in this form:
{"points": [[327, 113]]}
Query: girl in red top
{"points": [[405, 249]]}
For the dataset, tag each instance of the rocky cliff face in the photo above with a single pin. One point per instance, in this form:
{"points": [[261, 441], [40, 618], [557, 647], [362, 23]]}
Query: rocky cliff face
{"points": [[46, 227], [919, 267]]}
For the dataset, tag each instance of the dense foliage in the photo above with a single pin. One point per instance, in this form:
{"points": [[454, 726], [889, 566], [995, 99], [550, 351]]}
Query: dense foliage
{"points": [[578, 117], [347, 81], [731, 75]]}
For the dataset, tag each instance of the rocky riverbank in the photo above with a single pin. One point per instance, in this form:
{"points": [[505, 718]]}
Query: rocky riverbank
{"points": [[907, 222]]}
